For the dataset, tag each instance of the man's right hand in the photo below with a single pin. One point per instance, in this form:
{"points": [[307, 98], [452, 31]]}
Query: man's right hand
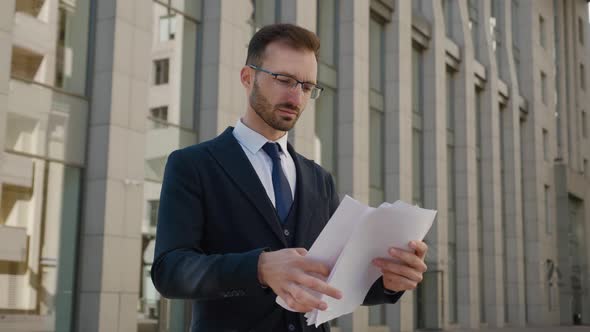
{"points": [[289, 273]]}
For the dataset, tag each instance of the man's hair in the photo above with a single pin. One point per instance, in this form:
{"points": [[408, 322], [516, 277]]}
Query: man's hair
{"points": [[291, 35]]}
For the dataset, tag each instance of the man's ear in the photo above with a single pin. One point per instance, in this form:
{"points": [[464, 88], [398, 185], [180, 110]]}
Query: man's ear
{"points": [[246, 77]]}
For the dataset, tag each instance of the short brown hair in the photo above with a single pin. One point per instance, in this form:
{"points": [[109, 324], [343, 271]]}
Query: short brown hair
{"points": [[292, 35]]}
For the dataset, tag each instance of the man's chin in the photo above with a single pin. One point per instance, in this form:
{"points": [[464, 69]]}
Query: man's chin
{"points": [[284, 124]]}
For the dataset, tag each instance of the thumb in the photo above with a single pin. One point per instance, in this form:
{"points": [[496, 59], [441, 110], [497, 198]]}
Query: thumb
{"points": [[301, 251]]}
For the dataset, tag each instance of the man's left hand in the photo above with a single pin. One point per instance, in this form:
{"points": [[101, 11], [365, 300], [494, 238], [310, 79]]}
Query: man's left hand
{"points": [[405, 272]]}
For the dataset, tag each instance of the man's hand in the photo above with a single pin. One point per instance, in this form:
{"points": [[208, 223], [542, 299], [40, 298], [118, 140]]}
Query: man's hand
{"points": [[405, 271], [289, 273]]}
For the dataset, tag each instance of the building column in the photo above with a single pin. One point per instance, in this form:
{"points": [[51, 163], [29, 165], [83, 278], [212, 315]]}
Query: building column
{"points": [[398, 118], [110, 239], [302, 13], [492, 232], [352, 114], [465, 175], [353, 100], [435, 168], [513, 233], [6, 23], [226, 32]]}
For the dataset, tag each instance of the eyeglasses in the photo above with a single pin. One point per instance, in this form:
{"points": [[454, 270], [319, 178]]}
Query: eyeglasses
{"points": [[313, 90]]}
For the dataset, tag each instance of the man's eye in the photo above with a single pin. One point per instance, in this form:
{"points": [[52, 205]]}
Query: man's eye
{"points": [[284, 80], [307, 87]]}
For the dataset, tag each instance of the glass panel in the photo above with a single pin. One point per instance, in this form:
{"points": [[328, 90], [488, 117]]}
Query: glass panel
{"points": [[170, 125], [327, 31], [377, 315], [376, 55], [189, 8], [542, 31], [417, 166], [450, 89], [416, 80], [324, 130], [264, 13], [548, 211], [376, 157], [46, 123], [72, 46], [40, 215]]}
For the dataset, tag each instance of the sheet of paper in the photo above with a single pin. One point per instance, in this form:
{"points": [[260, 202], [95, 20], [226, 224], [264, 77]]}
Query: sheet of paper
{"points": [[352, 238]]}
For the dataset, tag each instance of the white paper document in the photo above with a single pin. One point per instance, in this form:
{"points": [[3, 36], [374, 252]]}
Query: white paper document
{"points": [[353, 237]]}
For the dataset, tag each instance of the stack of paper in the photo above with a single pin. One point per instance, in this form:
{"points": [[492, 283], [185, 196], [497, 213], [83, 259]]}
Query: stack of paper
{"points": [[353, 237]]}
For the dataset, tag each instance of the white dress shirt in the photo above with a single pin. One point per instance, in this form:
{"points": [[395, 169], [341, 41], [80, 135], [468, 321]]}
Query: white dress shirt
{"points": [[252, 143]]}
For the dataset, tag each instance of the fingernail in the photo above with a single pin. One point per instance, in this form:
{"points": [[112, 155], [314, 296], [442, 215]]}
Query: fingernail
{"points": [[412, 244], [392, 251], [323, 306]]}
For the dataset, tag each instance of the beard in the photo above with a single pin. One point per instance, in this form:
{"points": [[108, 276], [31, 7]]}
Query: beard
{"points": [[267, 113]]}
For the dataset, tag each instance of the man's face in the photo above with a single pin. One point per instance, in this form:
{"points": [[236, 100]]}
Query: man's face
{"points": [[280, 107]]}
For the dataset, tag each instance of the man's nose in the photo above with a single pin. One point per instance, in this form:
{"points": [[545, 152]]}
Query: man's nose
{"points": [[295, 95]]}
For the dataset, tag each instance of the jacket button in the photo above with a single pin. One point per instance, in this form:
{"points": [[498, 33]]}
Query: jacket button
{"points": [[291, 327], [286, 232]]}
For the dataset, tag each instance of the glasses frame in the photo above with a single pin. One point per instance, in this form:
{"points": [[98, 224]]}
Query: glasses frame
{"points": [[316, 87]]}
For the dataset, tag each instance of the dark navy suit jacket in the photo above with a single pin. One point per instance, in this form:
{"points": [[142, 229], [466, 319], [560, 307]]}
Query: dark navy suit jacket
{"points": [[215, 219]]}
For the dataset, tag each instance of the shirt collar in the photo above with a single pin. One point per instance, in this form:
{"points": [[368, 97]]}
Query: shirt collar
{"points": [[253, 141]]}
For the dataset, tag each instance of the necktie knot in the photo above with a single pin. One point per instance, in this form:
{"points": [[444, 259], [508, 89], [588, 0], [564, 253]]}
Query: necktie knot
{"points": [[272, 150]]}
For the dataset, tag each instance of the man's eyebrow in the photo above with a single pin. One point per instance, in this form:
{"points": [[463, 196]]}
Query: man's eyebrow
{"points": [[293, 76]]}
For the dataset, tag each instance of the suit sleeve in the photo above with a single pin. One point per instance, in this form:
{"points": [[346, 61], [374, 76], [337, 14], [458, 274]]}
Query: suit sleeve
{"points": [[377, 294], [181, 269]]}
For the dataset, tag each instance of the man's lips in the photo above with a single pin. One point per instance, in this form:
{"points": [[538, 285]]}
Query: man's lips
{"points": [[288, 111]]}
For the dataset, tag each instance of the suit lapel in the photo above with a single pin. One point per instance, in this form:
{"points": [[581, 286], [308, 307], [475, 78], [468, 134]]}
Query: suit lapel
{"points": [[230, 156], [307, 198]]}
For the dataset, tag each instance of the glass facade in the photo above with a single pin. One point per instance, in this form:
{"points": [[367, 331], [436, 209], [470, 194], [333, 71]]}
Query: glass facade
{"points": [[170, 125], [43, 162], [376, 131], [325, 106]]}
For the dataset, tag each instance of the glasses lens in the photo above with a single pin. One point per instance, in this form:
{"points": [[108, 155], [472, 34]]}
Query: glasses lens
{"points": [[315, 92]]}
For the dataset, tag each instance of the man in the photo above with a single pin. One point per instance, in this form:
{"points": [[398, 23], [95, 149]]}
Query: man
{"points": [[237, 212]]}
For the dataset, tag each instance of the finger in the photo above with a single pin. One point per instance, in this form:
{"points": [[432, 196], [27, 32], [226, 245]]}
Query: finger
{"points": [[304, 298], [301, 251], [408, 258], [294, 304], [309, 265], [318, 285], [388, 266], [420, 248]]}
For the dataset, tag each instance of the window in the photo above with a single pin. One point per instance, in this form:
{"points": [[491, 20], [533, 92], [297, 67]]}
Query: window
{"points": [[447, 7], [586, 167], [545, 145], [417, 143], [548, 211], [544, 88], [161, 68], [264, 13], [159, 116], [167, 27], [325, 111], [474, 25], [478, 141], [376, 132], [153, 205], [582, 77], [581, 30], [584, 125], [542, 33], [451, 193], [515, 39]]}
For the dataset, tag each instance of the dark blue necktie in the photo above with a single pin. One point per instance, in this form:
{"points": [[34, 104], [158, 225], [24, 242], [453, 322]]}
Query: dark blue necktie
{"points": [[283, 196]]}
